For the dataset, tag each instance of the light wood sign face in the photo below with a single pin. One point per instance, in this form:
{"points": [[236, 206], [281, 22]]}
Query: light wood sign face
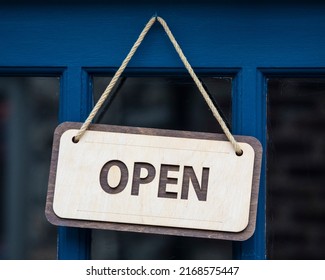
{"points": [[158, 181]]}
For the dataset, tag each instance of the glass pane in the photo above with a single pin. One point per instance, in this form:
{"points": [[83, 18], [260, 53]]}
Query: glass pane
{"points": [[28, 116], [169, 102], [296, 168], [164, 102]]}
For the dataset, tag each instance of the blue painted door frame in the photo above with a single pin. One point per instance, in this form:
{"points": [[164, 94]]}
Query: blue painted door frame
{"points": [[248, 39]]}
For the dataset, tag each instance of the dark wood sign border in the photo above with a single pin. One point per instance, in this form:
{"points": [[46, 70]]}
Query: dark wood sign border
{"points": [[235, 236]]}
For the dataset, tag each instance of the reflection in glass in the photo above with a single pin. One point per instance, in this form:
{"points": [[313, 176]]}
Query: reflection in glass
{"points": [[296, 168], [28, 116], [168, 102]]}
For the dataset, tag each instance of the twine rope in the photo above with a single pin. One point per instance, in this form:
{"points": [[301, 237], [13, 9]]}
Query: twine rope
{"points": [[187, 65]]}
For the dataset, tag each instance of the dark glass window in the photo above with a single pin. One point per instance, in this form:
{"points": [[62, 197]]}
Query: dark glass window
{"points": [[171, 102], [28, 116], [296, 168], [167, 102]]}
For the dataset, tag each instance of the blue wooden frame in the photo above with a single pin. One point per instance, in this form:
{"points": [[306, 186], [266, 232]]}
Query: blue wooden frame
{"points": [[255, 39]]}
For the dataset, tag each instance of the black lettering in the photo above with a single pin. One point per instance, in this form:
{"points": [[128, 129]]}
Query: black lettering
{"points": [[201, 191], [164, 180], [137, 180], [104, 179], [106, 271]]}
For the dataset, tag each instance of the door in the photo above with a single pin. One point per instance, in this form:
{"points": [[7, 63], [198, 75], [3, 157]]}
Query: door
{"points": [[243, 52]]}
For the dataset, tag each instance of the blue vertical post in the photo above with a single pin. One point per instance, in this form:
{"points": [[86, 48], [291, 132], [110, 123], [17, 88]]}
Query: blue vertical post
{"points": [[73, 243], [250, 119]]}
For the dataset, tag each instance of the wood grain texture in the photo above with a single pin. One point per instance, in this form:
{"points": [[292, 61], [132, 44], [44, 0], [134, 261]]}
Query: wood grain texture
{"points": [[242, 235], [31, 45]]}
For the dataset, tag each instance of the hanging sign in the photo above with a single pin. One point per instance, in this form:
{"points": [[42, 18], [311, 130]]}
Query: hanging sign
{"points": [[155, 181], [191, 182]]}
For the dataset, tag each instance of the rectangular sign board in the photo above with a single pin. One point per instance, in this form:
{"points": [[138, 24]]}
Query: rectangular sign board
{"points": [[150, 180]]}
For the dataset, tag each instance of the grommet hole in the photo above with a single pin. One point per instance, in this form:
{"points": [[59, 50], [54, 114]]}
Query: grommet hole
{"points": [[240, 153], [74, 140]]}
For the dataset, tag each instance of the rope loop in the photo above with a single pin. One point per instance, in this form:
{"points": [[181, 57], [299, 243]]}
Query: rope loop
{"points": [[187, 65]]}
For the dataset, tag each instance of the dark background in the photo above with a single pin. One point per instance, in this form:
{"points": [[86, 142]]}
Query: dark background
{"points": [[295, 209]]}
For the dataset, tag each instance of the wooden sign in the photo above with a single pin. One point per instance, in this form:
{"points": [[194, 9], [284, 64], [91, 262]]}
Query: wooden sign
{"points": [[157, 181]]}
